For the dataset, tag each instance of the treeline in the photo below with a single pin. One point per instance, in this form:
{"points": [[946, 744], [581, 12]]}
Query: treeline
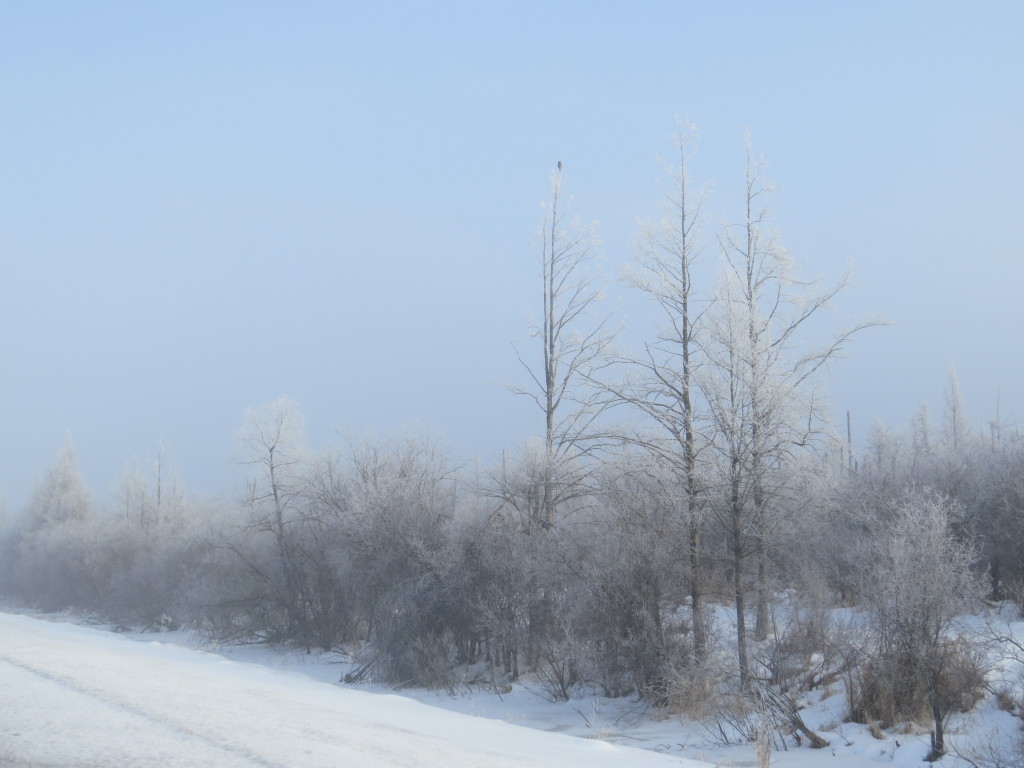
{"points": [[687, 526], [418, 568]]}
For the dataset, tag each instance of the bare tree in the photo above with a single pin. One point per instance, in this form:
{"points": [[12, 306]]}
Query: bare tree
{"points": [[150, 501], [661, 383], [758, 387], [273, 448], [572, 344]]}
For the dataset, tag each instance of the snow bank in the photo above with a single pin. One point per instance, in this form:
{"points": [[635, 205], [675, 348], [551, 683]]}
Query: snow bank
{"points": [[74, 696]]}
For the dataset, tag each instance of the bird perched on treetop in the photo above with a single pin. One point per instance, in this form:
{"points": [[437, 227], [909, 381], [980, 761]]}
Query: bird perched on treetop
{"points": [[559, 165]]}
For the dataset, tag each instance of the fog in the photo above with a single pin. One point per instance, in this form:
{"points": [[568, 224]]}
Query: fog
{"points": [[206, 207]]}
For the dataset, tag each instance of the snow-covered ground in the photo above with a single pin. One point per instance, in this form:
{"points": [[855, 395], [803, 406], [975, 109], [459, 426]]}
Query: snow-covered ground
{"points": [[74, 696], [80, 696]]}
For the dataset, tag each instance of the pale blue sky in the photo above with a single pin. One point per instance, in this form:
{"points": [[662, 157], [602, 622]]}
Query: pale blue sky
{"points": [[205, 205]]}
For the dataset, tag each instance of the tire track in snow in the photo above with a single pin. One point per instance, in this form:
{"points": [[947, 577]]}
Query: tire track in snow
{"points": [[150, 698], [162, 722]]}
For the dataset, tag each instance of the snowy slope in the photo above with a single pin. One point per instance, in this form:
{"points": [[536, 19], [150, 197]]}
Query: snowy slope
{"points": [[76, 696], [73, 696]]}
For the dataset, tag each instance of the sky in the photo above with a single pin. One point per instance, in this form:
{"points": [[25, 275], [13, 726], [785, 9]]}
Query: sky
{"points": [[205, 206]]}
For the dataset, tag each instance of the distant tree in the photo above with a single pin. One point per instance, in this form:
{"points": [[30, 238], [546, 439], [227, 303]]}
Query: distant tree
{"points": [[61, 496], [959, 446], [147, 501], [884, 468], [923, 446], [57, 563], [273, 450], [956, 431]]}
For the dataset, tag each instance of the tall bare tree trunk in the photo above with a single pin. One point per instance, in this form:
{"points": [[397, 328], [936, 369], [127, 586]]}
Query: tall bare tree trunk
{"points": [[736, 514]]}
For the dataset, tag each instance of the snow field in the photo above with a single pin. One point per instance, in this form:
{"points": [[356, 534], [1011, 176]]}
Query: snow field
{"points": [[74, 696]]}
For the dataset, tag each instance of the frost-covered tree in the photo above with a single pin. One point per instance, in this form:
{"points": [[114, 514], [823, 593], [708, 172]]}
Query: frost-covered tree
{"points": [[660, 383], [999, 514], [61, 495], [393, 503], [917, 575], [572, 344], [922, 445], [273, 448], [958, 446], [149, 500], [759, 386], [56, 563]]}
